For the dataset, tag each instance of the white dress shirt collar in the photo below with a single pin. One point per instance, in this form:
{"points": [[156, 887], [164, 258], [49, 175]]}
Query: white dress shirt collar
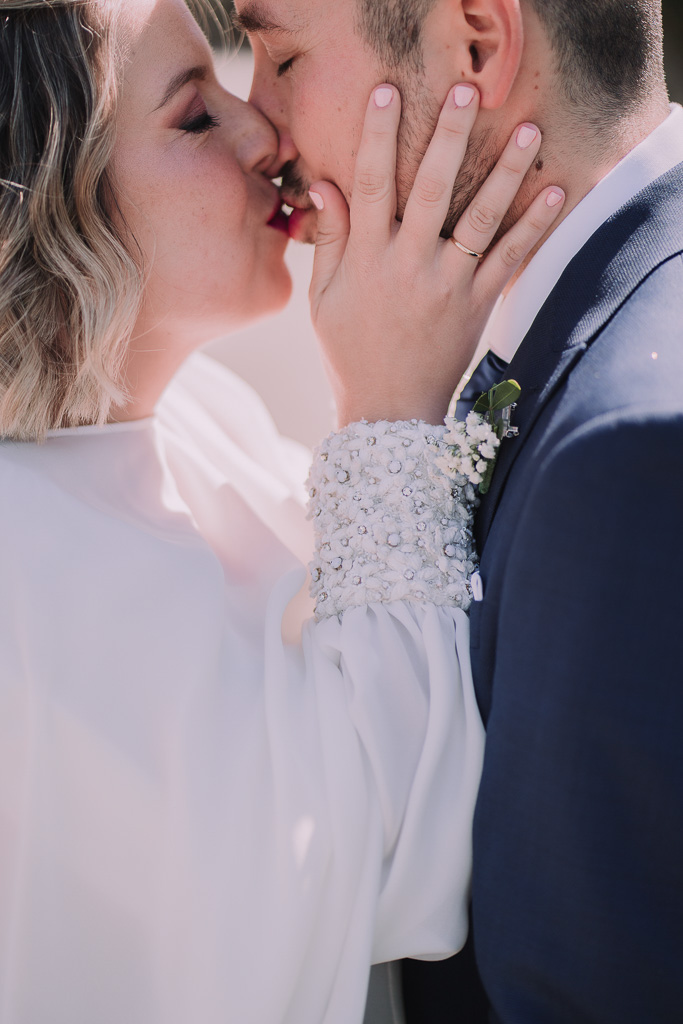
{"points": [[513, 316]]}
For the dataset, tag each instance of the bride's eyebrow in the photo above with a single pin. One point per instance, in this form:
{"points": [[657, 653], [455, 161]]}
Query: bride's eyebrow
{"points": [[199, 73], [254, 17]]}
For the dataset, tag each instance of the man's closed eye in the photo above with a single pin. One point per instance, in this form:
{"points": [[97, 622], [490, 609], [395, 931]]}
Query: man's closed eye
{"points": [[283, 68]]}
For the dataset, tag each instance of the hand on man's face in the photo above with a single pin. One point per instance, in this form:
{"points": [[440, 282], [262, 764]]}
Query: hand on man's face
{"points": [[314, 71]]}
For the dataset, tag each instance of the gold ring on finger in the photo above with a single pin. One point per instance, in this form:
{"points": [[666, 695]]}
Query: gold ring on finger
{"points": [[463, 248]]}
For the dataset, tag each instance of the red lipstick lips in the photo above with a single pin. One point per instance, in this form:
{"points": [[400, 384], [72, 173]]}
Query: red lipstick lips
{"points": [[279, 219]]}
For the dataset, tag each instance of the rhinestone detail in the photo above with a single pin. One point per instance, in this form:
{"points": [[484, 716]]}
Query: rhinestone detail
{"points": [[390, 524]]}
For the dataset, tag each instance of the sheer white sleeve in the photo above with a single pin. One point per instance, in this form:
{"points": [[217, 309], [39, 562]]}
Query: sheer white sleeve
{"points": [[198, 820], [389, 658]]}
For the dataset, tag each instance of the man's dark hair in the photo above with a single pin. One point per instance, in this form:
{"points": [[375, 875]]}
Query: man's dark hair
{"points": [[613, 47], [608, 51], [394, 28]]}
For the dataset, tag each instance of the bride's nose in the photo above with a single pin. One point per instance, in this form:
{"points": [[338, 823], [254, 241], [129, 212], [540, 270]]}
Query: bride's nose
{"points": [[259, 146]]}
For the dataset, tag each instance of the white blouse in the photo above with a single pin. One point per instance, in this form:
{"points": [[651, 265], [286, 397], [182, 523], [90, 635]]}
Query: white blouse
{"points": [[200, 821]]}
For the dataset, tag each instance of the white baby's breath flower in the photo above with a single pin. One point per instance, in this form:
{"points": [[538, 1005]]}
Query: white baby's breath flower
{"points": [[446, 464], [456, 434]]}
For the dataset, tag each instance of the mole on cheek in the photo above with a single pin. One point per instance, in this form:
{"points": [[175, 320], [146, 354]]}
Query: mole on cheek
{"points": [[539, 164]]}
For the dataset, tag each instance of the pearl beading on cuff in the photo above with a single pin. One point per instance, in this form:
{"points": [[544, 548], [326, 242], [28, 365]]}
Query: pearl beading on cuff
{"points": [[390, 524]]}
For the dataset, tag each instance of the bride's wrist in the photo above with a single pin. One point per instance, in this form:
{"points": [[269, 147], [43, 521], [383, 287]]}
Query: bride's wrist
{"points": [[391, 411], [394, 396]]}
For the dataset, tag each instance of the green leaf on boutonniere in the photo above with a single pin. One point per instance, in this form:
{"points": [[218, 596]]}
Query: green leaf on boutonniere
{"points": [[496, 407], [505, 394], [498, 398]]}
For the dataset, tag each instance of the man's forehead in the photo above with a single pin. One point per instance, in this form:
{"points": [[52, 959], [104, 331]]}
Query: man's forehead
{"points": [[273, 15]]}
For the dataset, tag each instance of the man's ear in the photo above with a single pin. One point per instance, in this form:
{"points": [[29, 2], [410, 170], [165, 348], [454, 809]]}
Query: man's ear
{"points": [[494, 33]]}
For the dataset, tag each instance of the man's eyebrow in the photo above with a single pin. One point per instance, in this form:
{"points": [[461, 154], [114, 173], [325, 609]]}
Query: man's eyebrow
{"points": [[199, 73], [255, 18]]}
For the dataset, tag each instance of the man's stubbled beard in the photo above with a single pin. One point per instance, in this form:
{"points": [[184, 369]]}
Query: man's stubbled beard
{"points": [[418, 122], [479, 161], [294, 186]]}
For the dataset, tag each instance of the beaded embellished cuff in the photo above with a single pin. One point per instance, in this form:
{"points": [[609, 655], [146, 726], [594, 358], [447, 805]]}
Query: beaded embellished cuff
{"points": [[390, 523]]}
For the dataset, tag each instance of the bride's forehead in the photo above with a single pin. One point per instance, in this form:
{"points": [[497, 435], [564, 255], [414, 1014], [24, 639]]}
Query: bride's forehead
{"points": [[165, 17], [133, 15], [158, 40], [156, 29]]}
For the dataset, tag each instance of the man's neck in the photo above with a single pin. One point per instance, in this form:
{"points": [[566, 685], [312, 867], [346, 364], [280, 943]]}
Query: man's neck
{"points": [[579, 161]]}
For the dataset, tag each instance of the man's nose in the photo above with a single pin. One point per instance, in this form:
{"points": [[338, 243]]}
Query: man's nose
{"points": [[268, 95]]}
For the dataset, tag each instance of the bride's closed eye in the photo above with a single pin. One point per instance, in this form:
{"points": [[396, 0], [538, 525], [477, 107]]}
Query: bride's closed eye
{"points": [[201, 123]]}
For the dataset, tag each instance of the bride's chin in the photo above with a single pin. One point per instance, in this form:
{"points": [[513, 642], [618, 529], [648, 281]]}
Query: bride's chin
{"points": [[281, 292], [272, 297]]}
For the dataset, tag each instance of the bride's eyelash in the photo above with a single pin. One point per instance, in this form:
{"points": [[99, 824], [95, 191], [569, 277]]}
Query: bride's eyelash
{"points": [[204, 123], [282, 69]]}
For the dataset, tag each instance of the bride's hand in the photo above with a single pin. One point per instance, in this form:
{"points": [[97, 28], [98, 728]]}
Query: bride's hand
{"points": [[398, 309]]}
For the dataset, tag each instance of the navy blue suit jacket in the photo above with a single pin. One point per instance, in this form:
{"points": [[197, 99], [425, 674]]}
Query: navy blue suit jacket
{"points": [[578, 657]]}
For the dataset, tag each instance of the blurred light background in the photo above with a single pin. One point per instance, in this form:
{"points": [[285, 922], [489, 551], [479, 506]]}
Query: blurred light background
{"points": [[279, 356]]}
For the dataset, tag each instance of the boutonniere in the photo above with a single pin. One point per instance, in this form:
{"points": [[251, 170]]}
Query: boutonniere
{"points": [[497, 406], [472, 446]]}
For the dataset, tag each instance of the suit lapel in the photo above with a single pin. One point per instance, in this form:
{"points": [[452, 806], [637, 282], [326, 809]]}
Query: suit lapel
{"points": [[598, 281]]}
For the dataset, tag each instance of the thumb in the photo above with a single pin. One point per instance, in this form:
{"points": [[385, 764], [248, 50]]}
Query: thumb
{"points": [[333, 235]]}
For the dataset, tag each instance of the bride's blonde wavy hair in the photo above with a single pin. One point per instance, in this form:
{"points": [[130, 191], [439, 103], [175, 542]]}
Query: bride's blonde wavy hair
{"points": [[69, 286], [70, 283]]}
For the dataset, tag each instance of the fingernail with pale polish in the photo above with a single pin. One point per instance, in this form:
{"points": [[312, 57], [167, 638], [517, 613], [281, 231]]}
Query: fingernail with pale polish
{"points": [[554, 198], [525, 136], [383, 97], [463, 95], [317, 200]]}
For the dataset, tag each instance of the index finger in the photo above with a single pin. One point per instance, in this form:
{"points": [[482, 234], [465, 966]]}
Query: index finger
{"points": [[373, 199], [430, 198]]}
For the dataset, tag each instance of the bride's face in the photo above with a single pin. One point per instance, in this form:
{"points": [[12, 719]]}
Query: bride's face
{"points": [[192, 167]]}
